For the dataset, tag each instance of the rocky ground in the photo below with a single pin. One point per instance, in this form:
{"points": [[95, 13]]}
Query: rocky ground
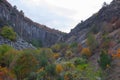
{"points": [[18, 44]]}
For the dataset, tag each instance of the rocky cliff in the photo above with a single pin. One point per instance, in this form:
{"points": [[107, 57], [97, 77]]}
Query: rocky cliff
{"points": [[26, 28], [108, 14], [106, 20]]}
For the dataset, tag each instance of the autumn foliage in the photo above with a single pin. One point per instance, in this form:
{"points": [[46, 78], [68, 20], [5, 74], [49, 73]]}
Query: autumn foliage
{"points": [[59, 68], [117, 55], [6, 74], [56, 55], [86, 52]]}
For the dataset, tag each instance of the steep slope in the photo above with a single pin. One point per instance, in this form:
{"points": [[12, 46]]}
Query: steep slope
{"points": [[18, 44], [107, 21], [108, 14], [26, 28]]}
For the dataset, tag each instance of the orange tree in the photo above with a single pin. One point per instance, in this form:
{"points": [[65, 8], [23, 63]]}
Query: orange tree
{"points": [[117, 55], [86, 52]]}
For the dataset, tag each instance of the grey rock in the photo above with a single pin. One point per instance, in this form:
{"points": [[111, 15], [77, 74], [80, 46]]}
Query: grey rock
{"points": [[26, 28], [18, 44], [105, 15]]}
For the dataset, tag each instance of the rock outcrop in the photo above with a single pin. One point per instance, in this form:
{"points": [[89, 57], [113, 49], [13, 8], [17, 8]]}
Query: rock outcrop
{"points": [[107, 14], [26, 28], [18, 44]]}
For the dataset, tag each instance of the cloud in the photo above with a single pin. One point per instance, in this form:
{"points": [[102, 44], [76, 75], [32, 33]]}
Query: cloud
{"points": [[59, 14]]}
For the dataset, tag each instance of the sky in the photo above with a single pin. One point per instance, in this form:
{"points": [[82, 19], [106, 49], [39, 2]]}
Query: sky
{"points": [[62, 15]]}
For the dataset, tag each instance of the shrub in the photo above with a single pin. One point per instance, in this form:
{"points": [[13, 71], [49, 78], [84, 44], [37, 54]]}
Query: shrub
{"points": [[60, 78], [43, 60], [105, 60], [56, 55], [41, 75], [7, 32], [91, 41], [59, 68], [79, 48], [25, 64], [56, 47], [4, 49], [118, 41], [59, 47], [80, 61], [117, 55], [94, 28], [68, 54], [105, 41], [86, 52], [68, 76], [10, 57], [5, 73], [74, 44], [36, 43], [69, 66], [88, 72], [32, 76], [51, 69]]}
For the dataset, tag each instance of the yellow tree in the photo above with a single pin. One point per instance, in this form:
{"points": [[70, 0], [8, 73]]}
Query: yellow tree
{"points": [[86, 52], [59, 68]]}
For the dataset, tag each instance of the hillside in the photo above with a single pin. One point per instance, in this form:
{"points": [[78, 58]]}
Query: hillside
{"points": [[91, 51], [25, 27], [107, 15]]}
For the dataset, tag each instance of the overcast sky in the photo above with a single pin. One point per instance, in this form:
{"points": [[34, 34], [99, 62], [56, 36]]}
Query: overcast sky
{"points": [[59, 14]]}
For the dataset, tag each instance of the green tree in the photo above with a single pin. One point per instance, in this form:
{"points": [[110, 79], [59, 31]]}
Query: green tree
{"points": [[80, 61], [10, 57], [51, 69], [44, 57], [91, 41], [36, 43], [7, 32], [105, 41], [56, 47], [43, 60], [4, 49], [94, 28], [74, 44], [105, 60]]}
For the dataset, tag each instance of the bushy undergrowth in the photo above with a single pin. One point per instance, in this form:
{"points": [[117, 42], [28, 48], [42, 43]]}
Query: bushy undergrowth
{"points": [[105, 60], [8, 32], [40, 64]]}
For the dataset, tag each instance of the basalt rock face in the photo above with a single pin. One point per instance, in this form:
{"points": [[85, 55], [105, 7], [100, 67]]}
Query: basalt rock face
{"points": [[26, 28], [107, 14], [19, 44]]}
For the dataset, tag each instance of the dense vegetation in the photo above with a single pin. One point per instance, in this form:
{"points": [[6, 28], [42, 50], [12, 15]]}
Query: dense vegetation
{"points": [[94, 58], [36, 43], [8, 32], [59, 62], [42, 64]]}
